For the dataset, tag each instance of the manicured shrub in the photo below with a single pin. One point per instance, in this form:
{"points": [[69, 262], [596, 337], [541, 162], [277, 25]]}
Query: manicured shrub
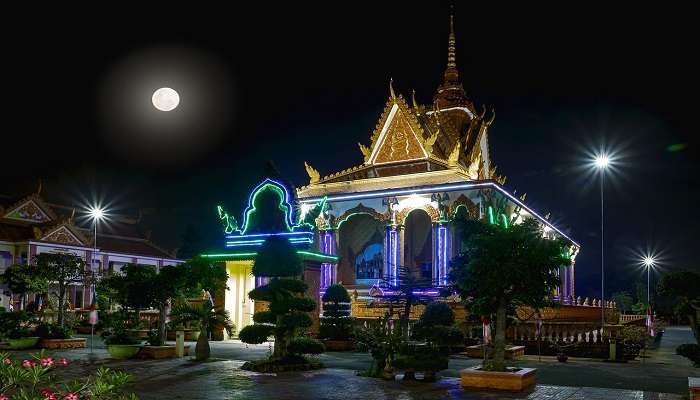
{"points": [[336, 323], [53, 331]]}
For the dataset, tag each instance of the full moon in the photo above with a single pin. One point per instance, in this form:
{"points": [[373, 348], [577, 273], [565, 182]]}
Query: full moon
{"points": [[165, 99]]}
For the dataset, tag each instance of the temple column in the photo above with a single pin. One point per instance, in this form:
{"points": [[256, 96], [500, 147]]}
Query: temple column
{"points": [[328, 270], [391, 247], [442, 252], [572, 281]]}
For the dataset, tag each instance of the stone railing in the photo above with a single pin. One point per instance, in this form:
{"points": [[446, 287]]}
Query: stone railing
{"points": [[588, 332], [629, 318], [586, 302]]}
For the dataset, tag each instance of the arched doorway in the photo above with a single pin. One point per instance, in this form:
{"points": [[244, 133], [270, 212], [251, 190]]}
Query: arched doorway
{"points": [[418, 244], [361, 250]]}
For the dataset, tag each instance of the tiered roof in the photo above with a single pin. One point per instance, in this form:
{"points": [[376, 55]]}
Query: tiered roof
{"points": [[448, 135]]}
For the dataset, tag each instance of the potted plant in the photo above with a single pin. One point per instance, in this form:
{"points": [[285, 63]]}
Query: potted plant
{"points": [[120, 344], [336, 323], [435, 333], [504, 265]]}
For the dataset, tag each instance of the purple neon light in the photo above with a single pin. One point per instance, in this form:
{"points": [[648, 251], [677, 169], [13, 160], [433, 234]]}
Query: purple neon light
{"points": [[442, 251]]}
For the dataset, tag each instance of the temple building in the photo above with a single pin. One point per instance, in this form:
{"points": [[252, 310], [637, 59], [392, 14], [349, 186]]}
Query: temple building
{"points": [[31, 225], [424, 166]]}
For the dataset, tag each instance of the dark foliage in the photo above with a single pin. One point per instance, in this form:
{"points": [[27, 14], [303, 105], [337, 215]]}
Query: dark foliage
{"points": [[336, 323], [277, 258], [690, 351]]}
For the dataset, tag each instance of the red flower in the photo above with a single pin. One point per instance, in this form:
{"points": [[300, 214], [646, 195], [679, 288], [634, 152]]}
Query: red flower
{"points": [[7, 361], [28, 364], [48, 394], [47, 362], [63, 361], [71, 396], [3, 397]]}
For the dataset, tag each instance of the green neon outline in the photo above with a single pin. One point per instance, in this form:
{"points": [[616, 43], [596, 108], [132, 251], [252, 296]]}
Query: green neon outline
{"points": [[344, 220], [312, 255], [454, 213], [490, 215], [282, 206], [229, 227]]}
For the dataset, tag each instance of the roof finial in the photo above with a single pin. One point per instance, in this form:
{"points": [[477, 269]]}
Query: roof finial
{"points": [[38, 189], [413, 99], [391, 88], [451, 74]]}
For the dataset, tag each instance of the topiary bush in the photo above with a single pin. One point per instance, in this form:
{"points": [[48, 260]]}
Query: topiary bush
{"points": [[336, 322], [287, 314]]}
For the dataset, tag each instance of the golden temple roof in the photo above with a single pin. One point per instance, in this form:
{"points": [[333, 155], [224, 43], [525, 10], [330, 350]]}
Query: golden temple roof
{"points": [[449, 134]]}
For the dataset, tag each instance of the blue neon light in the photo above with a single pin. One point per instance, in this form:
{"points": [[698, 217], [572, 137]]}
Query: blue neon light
{"points": [[266, 235]]}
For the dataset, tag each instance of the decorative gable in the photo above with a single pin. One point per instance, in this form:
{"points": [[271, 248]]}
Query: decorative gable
{"points": [[399, 136], [28, 211], [62, 235]]}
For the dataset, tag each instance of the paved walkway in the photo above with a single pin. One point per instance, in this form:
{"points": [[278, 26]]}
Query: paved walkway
{"points": [[222, 378]]}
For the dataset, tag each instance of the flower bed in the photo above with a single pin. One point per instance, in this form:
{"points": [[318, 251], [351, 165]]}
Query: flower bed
{"points": [[34, 378]]}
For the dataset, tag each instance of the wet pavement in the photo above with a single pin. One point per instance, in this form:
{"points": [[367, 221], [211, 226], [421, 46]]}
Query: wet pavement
{"points": [[222, 378]]}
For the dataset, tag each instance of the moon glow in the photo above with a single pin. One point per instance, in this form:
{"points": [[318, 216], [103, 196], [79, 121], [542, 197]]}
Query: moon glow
{"points": [[165, 99]]}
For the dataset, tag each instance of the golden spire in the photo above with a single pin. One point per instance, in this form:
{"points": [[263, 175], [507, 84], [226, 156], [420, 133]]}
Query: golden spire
{"points": [[391, 88], [451, 74]]}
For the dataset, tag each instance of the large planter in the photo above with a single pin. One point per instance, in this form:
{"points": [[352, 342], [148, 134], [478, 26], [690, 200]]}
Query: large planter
{"points": [[22, 343], [514, 381], [58, 344], [158, 352], [123, 351], [339, 345]]}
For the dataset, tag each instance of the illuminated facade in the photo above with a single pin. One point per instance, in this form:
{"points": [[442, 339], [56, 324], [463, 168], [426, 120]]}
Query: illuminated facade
{"points": [[424, 167]]}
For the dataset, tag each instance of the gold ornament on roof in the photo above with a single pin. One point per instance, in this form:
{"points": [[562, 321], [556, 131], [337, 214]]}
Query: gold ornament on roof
{"points": [[365, 151], [313, 173], [473, 170]]}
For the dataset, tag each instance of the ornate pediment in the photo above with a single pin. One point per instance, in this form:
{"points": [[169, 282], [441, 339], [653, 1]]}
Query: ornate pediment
{"points": [[398, 136], [63, 235], [29, 211]]}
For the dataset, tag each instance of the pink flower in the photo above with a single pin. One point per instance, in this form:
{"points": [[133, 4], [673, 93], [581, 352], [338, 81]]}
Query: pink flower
{"points": [[63, 361], [3, 397], [48, 394], [7, 361], [71, 396], [28, 364], [47, 362]]}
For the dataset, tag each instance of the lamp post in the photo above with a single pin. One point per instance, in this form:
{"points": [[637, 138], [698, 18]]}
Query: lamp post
{"points": [[96, 213], [649, 262], [602, 162]]}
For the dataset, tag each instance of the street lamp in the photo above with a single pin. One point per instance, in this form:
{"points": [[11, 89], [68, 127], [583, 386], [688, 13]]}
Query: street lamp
{"points": [[602, 162], [649, 262], [96, 213]]}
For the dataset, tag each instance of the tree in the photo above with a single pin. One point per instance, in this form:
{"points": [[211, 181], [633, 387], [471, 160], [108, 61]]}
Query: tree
{"points": [[288, 308], [683, 287], [624, 301], [170, 283], [203, 274], [336, 323], [208, 318], [23, 279], [63, 270], [133, 288], [505, 267]]}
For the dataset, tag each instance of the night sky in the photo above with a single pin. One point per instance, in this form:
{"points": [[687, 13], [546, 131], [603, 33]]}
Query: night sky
{"points": [[302, 83]]}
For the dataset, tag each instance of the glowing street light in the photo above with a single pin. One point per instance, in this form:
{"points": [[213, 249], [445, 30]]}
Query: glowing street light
{"points": [[602, 162], [649, 261]]}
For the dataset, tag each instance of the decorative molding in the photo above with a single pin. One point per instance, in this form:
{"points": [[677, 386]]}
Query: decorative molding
{"points": [[432, 212], [462, 200], [62, 235], [28, 210], [360, 209]]}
